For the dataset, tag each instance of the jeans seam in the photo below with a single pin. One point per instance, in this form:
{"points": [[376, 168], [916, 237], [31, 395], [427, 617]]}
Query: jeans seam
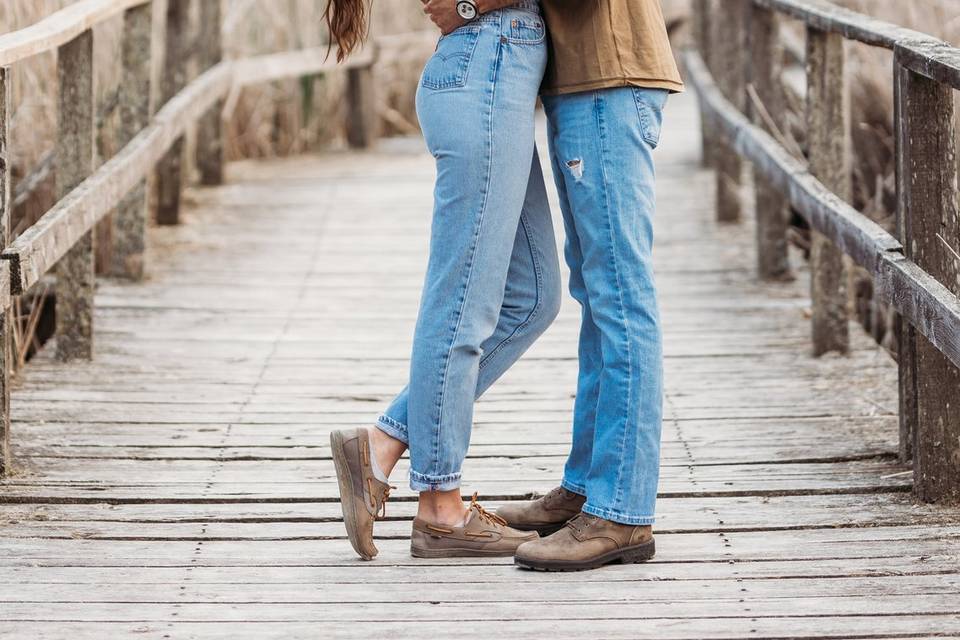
{"points": [[538, 304], [616, 270], [444, 482], [466, 287], [578, 489], [618, 516], [393, 428]]}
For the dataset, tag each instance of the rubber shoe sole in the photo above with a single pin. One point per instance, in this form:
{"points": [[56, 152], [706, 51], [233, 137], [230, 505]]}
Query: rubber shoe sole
{"points": [[345, 480], [628, 555], [458, 553]]}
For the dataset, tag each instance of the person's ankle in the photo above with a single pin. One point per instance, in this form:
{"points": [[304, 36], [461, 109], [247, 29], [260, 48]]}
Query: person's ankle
{"points": [[442, 512], [386, 451]]}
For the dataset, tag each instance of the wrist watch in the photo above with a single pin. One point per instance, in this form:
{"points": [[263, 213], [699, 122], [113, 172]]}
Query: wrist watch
{"points": [[467, 9]]}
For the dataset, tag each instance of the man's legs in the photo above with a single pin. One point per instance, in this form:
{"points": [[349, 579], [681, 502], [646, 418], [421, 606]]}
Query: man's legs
{"points": [[602, 144], [602, 150]]}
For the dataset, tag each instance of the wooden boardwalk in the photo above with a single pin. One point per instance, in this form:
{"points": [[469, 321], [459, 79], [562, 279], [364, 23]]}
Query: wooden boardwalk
{"points": [[180, 485]]}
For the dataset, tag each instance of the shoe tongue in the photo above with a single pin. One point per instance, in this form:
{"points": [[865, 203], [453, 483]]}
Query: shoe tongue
{"points": [[472, 516]]}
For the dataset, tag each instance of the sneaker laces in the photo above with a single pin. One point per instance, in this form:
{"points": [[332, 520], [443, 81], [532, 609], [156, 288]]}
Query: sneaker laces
{"points": [[581, 521], [382, 511], [486, 516], [553, 495]]}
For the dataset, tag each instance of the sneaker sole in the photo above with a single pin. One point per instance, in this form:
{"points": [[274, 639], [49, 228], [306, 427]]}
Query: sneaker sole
{"points": [[458, 553], [345, 481], [629, 555]]}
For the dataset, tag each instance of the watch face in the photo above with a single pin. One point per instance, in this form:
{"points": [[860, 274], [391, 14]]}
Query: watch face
{"points": [[467, 10]]}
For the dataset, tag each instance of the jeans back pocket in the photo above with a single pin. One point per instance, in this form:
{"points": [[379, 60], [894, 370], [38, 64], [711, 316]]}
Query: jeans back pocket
{"points": [[448, 67], [527, 30], [650, 104]]}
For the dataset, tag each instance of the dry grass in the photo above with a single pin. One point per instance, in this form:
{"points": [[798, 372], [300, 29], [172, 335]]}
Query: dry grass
{"points": [[281, 118], [872, 98], [277, 119]]}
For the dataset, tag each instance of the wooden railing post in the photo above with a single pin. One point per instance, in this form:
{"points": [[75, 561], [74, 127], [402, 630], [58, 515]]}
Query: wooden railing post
{"points": [[773, 214], [174, 78], [906, 334], [210, 128], [6, 316], [828, 130], [362, 117], [929, 222], [75, 129], [729, 49], [130, 219], [701, 34]]}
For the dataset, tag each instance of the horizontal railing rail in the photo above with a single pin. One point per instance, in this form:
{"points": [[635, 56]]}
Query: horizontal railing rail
{"points": [[60, 28], [61, 239], [737, 72], [926, 303]]}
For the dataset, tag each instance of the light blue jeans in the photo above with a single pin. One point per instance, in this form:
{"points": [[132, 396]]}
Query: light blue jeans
{"points": [[493, 277], [601, 145]]}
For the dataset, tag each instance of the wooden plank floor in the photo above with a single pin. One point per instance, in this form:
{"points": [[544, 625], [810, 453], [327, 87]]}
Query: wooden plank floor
{"points": [[181, 484]]}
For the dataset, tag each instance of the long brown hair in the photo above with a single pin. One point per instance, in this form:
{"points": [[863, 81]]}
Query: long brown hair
{"points": [[347, 20]]}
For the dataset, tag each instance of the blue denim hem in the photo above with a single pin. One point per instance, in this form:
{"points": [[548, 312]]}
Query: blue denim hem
{"points": [[420, 482], [393, 429], [616, 516], [580, 490]]}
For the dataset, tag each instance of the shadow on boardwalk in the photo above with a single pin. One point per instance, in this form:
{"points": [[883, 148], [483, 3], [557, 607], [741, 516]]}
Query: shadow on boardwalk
{"points": [[181, 485]]}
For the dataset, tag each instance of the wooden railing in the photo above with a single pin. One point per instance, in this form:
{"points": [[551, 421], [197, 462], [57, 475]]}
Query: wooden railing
{"points": [[62, 239], [737, 73]]}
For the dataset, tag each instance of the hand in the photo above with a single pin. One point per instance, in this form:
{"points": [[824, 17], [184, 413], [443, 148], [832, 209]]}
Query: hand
{"points": [[444, 14]]}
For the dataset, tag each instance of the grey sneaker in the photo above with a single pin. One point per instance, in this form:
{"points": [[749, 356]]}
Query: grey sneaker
{"points": [[362, 496], [483, 535]]}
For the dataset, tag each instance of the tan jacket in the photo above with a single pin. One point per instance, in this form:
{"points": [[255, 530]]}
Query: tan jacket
{"points": [[596, 44]]}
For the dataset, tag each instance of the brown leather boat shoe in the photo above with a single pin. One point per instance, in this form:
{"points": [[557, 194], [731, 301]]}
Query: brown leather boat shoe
{"points": [[362, 496], [483, 535], [545, 515], [588, 542]]}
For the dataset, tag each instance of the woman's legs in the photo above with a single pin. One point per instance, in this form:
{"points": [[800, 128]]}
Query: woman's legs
{"points": [[531, 302], [482, 137], [485, 293]]}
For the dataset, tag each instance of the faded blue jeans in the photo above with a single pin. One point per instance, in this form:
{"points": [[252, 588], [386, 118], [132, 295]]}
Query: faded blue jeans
{"points": [[493, 277], [601, 145]]}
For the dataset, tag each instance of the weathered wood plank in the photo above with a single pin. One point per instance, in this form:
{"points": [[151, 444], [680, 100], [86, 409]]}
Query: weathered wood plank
{"points": [[730, 51], [59, 28], [772, 213], [177, 39], [929, 305], [700, 15], [920, 52], [76, 279], [240, 503], [6, 315], [35, 251], [130, 219], [309, 61], [906, 334], [931, 228], [210, 128], [362, 117], [828, 129], [632, 627]]}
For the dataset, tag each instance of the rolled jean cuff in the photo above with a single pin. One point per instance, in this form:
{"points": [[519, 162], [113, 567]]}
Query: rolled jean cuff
{"points": [[616, 516], [578, 489], [393, 428], [421, 482]]}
